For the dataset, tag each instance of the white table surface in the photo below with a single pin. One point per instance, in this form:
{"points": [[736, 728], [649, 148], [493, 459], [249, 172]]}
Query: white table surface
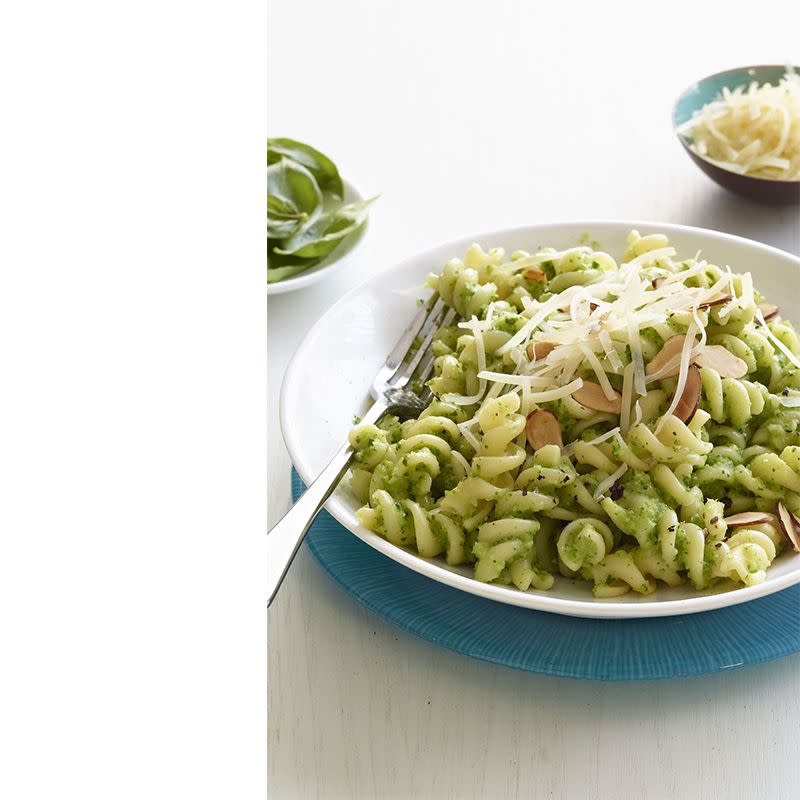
{"points": [[470, 117]]}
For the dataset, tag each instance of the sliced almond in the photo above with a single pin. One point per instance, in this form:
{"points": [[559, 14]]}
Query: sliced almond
{"points": [[592, 396], [716, 357], [668, 358], [747, 518], [788, 524], [768, 310], [690, 399], [657, 282], [539, 350], [715, 301], [535, 275], [542, 428]]}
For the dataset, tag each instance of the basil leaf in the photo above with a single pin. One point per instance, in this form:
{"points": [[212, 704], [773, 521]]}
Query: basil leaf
{"points": [[281, 208], [282, 273], [292, 198], [320, 166], [282, 228], [293, 188], [283, 217], [320, 236], [280, 266]]}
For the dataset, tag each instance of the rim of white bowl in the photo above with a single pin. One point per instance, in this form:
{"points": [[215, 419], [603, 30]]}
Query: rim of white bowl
{"points": [[538, 601], [352, 195]]}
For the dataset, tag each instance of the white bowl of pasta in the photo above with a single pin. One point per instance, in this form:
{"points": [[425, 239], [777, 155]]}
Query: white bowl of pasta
{"points": [[616, 421]]}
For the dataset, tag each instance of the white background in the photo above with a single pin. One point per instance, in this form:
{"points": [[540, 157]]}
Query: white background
{"points": [[132, 320], [471, 116]]}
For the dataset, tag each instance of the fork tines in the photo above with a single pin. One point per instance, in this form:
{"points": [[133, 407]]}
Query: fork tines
{"points": [[437, 315]]}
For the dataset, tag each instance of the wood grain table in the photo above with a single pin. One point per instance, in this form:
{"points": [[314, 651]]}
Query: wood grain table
{"points": [[468, 117]]}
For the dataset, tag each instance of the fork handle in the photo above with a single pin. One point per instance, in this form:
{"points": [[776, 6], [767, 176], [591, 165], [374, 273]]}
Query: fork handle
{"points": [[284, 539]]}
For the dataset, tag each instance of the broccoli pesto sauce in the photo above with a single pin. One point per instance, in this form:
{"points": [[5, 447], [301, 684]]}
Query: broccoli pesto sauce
{"points": [[508, 324], [539, 466], [366, 448]]}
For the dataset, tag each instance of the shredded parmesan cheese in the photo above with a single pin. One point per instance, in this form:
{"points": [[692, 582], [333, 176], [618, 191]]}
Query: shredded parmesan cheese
{"points": [[610, 351], [598, 327], [627, 393], [570, 448], [753, 131], [595, 364], [635, 343], [540, 258], [776, 341], [604, 436], [461, 460], [463, 400]]}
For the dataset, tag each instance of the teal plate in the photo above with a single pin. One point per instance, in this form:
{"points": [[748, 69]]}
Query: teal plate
{"points": [[551, 644]]}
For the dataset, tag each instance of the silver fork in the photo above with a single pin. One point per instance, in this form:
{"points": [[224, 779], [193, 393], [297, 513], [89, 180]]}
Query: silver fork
{"points": [[391, 392]]}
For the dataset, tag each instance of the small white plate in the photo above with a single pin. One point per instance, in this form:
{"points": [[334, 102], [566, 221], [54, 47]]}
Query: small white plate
{"points": [[338, 259], [326, 385]]}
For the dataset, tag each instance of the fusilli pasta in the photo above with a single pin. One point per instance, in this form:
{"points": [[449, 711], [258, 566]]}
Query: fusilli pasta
{"points": [[674, 390]]}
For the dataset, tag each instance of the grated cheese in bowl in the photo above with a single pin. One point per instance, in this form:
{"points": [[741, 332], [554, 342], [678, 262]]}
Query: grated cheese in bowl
{"points": [[751, 130]]}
